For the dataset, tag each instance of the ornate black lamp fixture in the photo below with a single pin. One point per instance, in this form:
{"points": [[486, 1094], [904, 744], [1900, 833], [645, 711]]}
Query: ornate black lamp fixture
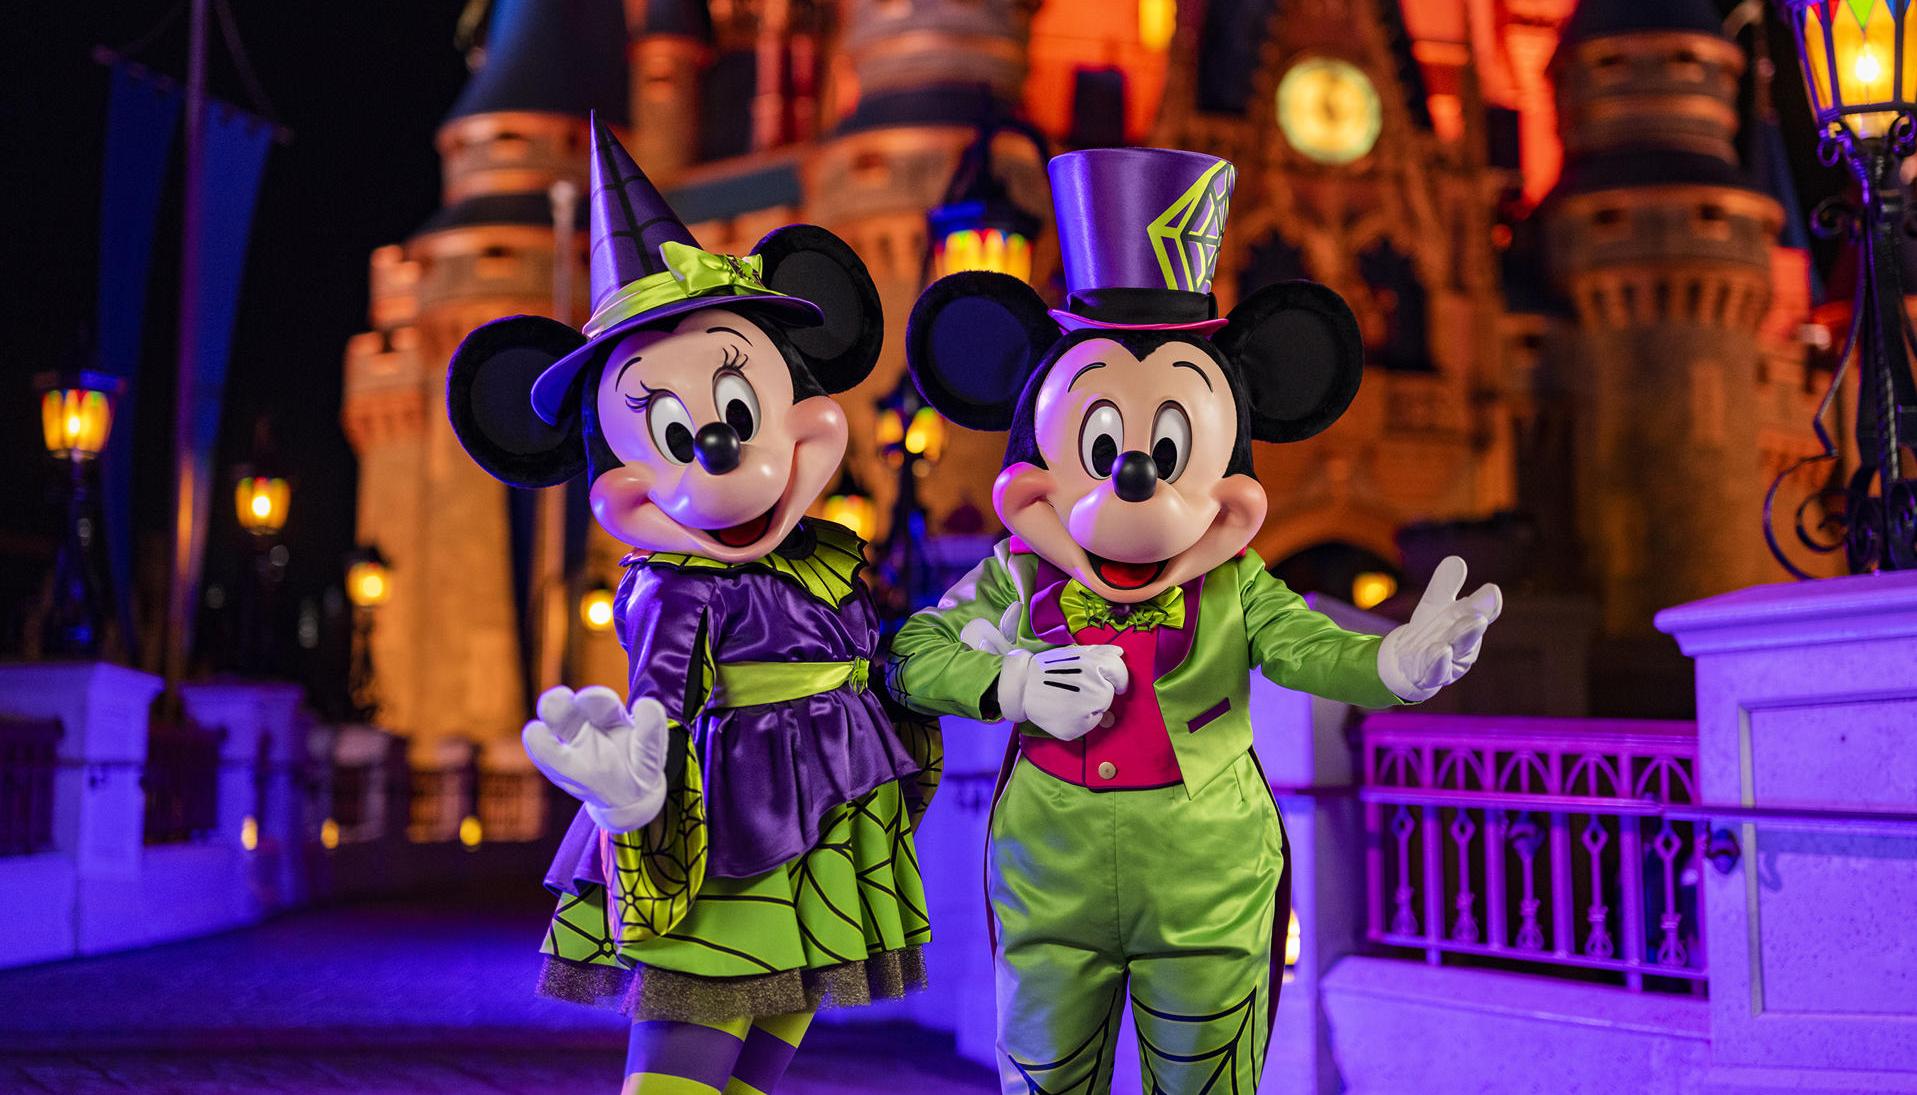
{"points": [[976, 224], [1863, 91], [911, 437], [369, 584], [76, 415]]}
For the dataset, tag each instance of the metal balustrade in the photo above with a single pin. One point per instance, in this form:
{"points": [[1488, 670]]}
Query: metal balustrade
{"points": [[1555, 844]]}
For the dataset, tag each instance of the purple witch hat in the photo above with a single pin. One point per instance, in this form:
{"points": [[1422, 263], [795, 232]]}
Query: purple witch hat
{"points": [[645, 267], [1139, 230]]}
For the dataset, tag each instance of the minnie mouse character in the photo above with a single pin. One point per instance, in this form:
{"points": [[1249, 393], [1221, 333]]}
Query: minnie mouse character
{"points": [[1135, 845], [744, 854]]}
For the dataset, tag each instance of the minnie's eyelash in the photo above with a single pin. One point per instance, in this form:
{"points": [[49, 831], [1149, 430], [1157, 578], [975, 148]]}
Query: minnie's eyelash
{"points": [[734, 358], [641, 402]]}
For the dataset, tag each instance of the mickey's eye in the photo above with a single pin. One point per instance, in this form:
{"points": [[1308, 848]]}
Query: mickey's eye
{"points": [[1098, 439], [671, 427], [1171, 441], [738, 404]]}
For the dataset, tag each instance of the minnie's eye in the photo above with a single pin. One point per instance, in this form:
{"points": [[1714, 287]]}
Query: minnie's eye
{"points": [[1098, 439], [1171, 441], [738, 404], [671, 427]]}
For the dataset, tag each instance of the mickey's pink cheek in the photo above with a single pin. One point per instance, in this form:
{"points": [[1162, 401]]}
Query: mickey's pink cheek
{"points": [[1018, 488], [1241, 511]]}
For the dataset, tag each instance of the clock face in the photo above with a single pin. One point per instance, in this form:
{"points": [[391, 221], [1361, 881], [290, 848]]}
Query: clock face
{"points": [[1329, 110]]}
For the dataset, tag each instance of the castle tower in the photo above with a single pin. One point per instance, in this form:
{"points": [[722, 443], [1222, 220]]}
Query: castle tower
{"points": [[1664, 247], [447, 645], [927, 74], [671, 45]]}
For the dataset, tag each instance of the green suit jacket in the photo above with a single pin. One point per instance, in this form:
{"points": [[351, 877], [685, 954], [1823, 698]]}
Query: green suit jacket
{"points": [[1237, 616]]}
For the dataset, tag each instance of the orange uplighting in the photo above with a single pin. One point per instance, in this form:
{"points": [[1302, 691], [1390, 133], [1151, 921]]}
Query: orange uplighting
{"points": [[261, 502], [1157, 23], [75, 422]]}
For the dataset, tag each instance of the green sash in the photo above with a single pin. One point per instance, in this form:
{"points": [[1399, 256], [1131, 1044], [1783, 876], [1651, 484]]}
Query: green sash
{"points": [[747, 684]]}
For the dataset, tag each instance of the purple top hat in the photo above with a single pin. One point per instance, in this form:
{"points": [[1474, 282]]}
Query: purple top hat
{"points": [[1139, 229], [646, 267]]}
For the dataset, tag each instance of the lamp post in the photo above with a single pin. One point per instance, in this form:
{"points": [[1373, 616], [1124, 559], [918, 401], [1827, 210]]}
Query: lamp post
{"points": [[76, 415], [260, 502], [369, 584], [1863, 89], [911, 437], [976, 225]]}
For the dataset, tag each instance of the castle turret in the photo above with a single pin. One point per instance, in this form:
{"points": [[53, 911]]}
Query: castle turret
{"points": [[671, 45], [1663, 245], [447, 644]]}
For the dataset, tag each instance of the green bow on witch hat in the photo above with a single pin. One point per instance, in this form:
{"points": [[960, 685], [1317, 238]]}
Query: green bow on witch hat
{"points": [[645, 267]]}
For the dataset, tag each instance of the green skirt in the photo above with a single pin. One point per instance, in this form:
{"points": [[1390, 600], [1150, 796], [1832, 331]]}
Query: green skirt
{"points": [[840, 925]]}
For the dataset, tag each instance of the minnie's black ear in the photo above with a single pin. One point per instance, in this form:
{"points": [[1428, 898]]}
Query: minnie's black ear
{"points": [[806, 261], [489, 399], [1296, 344], [971, 343]]}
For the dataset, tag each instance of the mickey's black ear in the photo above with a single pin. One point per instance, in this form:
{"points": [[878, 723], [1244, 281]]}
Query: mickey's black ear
{"points": [[971, 343], [489, 399], [1296, 344], [806, 261]]}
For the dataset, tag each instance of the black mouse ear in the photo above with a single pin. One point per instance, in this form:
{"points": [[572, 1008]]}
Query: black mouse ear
{"points": [[489, 399], [806, 261], [971, 343], [1296, 344]]}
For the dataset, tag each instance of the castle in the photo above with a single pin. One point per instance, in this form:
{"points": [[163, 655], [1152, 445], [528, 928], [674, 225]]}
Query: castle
{"points": [[1580, 300]]}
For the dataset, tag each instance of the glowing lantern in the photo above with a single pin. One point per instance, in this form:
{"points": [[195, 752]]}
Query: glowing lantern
{"points": [[470, 832], [849, 506], [250, 833], [261, 503], [1372, 588], [595, 609], [977, 225], [1854, 60], [1157, 22], [329, 834], [76, 414], [368, 584], [1294, 940], [926, 435]]}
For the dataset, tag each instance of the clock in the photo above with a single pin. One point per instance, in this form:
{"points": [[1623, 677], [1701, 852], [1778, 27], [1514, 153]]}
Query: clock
{"points": [[1329, 110]]}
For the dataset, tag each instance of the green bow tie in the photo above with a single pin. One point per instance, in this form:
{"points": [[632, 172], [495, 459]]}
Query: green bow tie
{"points": [[1083, 608], [689, 273]]}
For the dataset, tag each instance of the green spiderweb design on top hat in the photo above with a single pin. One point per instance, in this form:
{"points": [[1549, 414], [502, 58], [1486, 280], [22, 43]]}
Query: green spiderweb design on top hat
{"points": [[1187, 235]]}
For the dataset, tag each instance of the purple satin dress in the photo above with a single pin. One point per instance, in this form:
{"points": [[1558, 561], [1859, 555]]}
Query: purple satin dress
{"points": [[771, 770]]}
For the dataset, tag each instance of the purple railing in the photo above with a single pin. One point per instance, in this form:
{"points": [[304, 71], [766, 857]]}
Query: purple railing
{"points": [[1545, 842]]}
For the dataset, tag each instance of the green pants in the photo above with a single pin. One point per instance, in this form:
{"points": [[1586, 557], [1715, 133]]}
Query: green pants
{"points": [[1159, 896]]}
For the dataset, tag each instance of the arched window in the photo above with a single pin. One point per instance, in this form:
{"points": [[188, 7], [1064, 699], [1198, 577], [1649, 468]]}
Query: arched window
{"points": [[1273, 259], [1341, 570], [1401, 340]]}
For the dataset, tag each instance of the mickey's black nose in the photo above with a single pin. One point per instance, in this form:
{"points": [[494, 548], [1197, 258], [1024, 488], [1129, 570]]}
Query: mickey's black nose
{"points": [[717, 447], [1135, 477]]}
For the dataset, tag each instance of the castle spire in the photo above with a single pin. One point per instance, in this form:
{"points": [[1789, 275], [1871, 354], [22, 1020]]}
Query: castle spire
{"points": [[551, 57]]}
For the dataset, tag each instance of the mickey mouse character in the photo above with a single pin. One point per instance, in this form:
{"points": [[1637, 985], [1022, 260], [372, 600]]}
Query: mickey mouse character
{"points": [[1135, 845], [745, 851]]}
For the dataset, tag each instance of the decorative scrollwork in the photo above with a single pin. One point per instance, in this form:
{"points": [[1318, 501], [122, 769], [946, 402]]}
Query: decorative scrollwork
{"points": [[1836, 217]]}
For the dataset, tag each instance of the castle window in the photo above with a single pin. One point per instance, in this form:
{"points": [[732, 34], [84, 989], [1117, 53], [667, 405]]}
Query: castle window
{"points": [[1272, 260], [1713, 221], [1610, 224], [1400, 341]]}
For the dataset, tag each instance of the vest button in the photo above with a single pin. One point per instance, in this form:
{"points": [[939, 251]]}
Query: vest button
{"points": [[1107, 770]]}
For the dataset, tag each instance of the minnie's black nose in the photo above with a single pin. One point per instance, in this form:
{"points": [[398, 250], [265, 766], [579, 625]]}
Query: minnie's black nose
{"points": [[1135, 477], [717, 446]]}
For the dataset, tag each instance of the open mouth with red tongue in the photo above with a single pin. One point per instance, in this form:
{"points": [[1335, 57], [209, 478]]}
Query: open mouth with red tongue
{"points": [[1125, 575], [744, 533]]}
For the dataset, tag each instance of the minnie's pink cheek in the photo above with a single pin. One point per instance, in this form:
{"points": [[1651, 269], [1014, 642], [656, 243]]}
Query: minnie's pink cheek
{"points": [[619, 499]]}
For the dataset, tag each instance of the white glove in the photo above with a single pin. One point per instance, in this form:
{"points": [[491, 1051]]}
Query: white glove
{"points": [[1064, 691], [595, 750], [1441, 641]]}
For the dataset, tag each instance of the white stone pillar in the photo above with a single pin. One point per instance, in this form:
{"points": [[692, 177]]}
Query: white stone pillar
{"points": [[1806, 700]]}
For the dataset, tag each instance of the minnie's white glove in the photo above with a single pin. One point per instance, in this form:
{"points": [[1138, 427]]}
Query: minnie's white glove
{"points": [[594, 749], [1442, 639]]}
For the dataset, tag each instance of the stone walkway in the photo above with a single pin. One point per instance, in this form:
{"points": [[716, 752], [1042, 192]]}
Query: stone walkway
{"points": [[377, 998]]}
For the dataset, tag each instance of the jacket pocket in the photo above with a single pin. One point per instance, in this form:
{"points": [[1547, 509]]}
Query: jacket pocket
{"points": [[1208, 715]]}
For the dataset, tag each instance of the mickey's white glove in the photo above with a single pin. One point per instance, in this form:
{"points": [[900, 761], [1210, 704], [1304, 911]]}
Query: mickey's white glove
{"points": [[1064, 691], [594, 749], [1442, 639]]}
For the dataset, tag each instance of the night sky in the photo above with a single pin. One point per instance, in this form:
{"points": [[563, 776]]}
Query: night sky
{"points": [[362, 85]]}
